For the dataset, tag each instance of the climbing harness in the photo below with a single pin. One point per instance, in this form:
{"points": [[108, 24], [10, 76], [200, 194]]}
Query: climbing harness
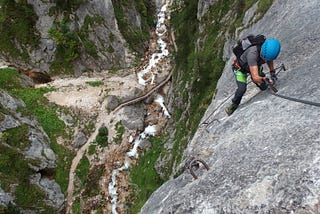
{"points": [[194, 163]]}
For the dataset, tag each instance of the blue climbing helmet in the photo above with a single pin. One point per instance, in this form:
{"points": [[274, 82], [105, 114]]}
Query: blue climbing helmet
{"points": [[270, 49]]}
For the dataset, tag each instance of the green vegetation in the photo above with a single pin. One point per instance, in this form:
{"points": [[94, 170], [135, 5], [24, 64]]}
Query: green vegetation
{"points": [[263, 6], [10, 209], [20, 36], [18, 26], [89, 46], [46, 113], [14, 169], [120, 130], [64, 162], [92, 186], [31, 196], [134, 36], [18, 137], [102, 137], [95, 84], [38, 105], [110, 49], [9, 79], [67, 47], [146, 11], [89, 126], [92, 149], [201, 70], [83, 169], [76, 207], [72, 42], [144, 177]]}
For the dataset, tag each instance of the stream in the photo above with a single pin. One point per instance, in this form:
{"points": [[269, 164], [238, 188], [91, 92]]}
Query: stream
{"points": [[146, 76]]}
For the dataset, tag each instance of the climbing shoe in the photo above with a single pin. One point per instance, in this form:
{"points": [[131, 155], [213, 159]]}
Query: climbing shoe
{"points": [[230, 109]]}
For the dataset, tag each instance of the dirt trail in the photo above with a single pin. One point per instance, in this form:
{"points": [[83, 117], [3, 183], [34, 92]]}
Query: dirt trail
{"points": [[77, 93]]}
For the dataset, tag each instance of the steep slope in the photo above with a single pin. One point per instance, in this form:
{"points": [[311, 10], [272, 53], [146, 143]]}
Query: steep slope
{"points": [[27, 161], [265, 157], [75, 35]]}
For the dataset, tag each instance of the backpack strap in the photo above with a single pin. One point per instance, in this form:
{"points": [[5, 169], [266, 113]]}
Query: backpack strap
{"points": [[244, 45]]}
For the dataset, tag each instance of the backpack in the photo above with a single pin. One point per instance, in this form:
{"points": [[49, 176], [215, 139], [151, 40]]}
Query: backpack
{"points": [[246, 43]]}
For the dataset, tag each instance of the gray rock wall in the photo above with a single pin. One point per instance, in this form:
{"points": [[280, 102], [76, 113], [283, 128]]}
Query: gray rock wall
{"points": [[38, 152], [264, 158], [112, 48], [46, 51]]}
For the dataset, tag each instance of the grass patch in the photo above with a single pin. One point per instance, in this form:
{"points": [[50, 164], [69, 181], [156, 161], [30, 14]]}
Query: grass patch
{"points": [[18, 137], [64, 163], [92, 149], [144, 177], [12, 171], [76, 206], [9, 79], [25, 195], [83, 169], [38, 105], [95, 83], [119, 133]]}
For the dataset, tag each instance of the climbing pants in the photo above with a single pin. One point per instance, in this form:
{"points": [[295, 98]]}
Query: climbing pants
{"points": [[241, 79]]}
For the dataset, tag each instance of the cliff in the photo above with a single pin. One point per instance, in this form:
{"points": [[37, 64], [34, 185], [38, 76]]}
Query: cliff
{"points": [[27, 160], [75, 36], [265, 157]]}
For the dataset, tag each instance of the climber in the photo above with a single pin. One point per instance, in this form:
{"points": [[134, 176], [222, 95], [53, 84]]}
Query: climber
{"points": [[251, 53]]}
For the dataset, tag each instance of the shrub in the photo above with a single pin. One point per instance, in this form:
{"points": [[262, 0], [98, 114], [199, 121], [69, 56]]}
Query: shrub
{"points": [[102, 137]]}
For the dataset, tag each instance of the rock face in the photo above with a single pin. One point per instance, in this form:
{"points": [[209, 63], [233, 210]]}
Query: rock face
{"points": [[203, 6], [264, 158], [100, 43], [46, 51], [35, 149]]}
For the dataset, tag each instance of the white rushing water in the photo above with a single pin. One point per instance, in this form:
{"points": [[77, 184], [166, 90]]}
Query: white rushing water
{"points": [[161, 30], [148, 131], [160, 100]]}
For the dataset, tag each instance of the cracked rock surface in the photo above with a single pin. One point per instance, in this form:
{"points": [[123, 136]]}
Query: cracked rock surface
{"points": [[266, 156]]}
